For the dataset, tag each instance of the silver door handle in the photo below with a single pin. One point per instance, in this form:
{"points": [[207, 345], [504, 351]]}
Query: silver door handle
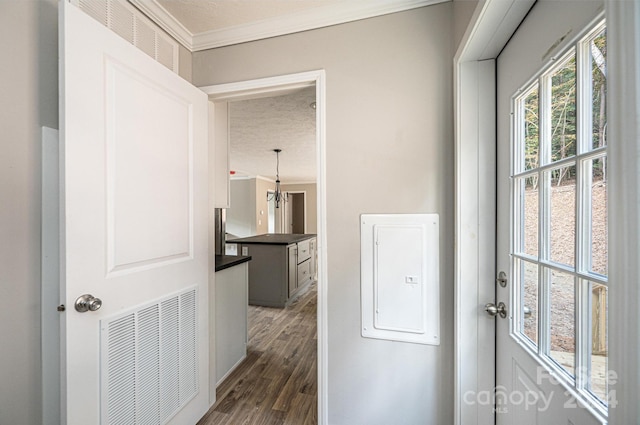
{"points": [[527, 312], [493, 310], [87, 302]]}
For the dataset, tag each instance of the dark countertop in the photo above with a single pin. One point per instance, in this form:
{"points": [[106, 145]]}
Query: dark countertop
{"points": [[226, 261], [275, 238]]}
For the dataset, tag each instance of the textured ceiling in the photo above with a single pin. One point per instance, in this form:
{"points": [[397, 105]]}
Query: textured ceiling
{"points": [[206, 15], [286, 122]]}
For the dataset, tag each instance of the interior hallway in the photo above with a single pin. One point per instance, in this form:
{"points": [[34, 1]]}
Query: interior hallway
{"points": [[277, 382]]}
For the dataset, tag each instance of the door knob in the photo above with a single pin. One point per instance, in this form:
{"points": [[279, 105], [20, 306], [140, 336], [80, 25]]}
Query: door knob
{"points": [[493, 310], [527, 312], [87, 302]]}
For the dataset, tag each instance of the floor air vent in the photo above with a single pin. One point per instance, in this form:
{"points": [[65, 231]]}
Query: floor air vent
{"points": [[129, 23], [149, 361]]}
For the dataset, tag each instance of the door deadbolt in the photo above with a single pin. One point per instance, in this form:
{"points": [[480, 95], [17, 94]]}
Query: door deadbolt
{"points": [[493, 310], [87, 302], [502, 279]]}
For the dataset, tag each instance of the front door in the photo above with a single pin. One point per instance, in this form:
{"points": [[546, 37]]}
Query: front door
{"points": [[552, 214], [133, 233]]}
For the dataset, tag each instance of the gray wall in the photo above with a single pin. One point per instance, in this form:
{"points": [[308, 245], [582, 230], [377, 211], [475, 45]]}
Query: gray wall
{"points": [[28, 100], [248, 198], [389, 150], [462, 12]]}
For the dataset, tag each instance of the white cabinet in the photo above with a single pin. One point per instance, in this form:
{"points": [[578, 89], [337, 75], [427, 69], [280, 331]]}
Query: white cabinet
{"points": [[313, 260], [292, 270], [305, 265], [219, 139], [231, 300]]}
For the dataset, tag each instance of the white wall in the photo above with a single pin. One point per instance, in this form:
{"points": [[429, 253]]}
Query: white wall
{"points": [[389, 149]]}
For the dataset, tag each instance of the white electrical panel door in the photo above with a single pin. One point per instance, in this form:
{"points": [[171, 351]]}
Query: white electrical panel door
{"points": [[400, 279]]}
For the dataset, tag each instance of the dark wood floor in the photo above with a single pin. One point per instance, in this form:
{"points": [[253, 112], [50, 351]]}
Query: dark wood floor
{"points": [[277, 382]]}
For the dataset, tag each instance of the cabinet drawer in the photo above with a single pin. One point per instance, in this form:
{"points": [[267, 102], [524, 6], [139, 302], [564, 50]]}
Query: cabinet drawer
{"points": [[304, 272], [303, 251]]}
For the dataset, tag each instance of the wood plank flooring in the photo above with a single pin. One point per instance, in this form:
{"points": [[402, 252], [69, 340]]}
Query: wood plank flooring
{"points": [[277, 382]]}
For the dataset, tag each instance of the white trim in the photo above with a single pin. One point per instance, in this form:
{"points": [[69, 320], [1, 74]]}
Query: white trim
{"points": [[319, 17], [491, 26], [165, 20], [232, 91], [266, 179], [50, 276], [623, 103], [475, 238], [304, 21], [260, 87], [303, 192], [234, 177], [300, 183]]}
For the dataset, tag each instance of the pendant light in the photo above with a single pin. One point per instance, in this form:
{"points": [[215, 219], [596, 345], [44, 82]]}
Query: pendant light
{"points": [[277, 195]]}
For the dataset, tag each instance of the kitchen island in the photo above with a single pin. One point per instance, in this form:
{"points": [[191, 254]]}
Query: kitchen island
{"points": [[282, 266]]}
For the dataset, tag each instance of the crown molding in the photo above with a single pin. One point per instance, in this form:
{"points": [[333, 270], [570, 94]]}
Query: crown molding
{"points": [[300, 183], [289, 24], [166, 21]]}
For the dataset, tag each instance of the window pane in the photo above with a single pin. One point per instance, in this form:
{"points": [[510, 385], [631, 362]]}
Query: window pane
{"points": [[563, 111], [599, 229], [560, 216], [531, 216], [531, 130], [562, 226], [562, 319], [529, 299], [599, 342], [528, 214], [598, 50]]}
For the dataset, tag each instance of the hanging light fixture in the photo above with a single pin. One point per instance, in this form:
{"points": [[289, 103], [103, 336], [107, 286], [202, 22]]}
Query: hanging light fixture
{"points": [[277, 195]]}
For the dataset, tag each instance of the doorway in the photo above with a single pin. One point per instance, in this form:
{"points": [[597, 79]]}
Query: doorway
{"points": [[272, 87], [295, 212]]}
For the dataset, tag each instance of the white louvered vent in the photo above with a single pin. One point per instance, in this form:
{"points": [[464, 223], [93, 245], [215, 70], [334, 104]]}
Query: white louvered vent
{"points": [[121, 20], [129, 23], [149, 361], [145, 37]]}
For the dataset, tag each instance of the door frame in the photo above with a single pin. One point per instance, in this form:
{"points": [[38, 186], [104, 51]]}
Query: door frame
{"points": [[273, 86], [492, 24], [298, 192], [623, 99]]}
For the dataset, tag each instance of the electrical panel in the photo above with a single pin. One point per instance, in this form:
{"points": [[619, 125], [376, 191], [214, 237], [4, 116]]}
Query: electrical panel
{"points": [[400, 277]]}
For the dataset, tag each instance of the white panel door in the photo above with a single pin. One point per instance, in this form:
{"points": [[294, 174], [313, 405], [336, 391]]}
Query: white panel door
{"points": [[133, 231], [549, 370]]}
